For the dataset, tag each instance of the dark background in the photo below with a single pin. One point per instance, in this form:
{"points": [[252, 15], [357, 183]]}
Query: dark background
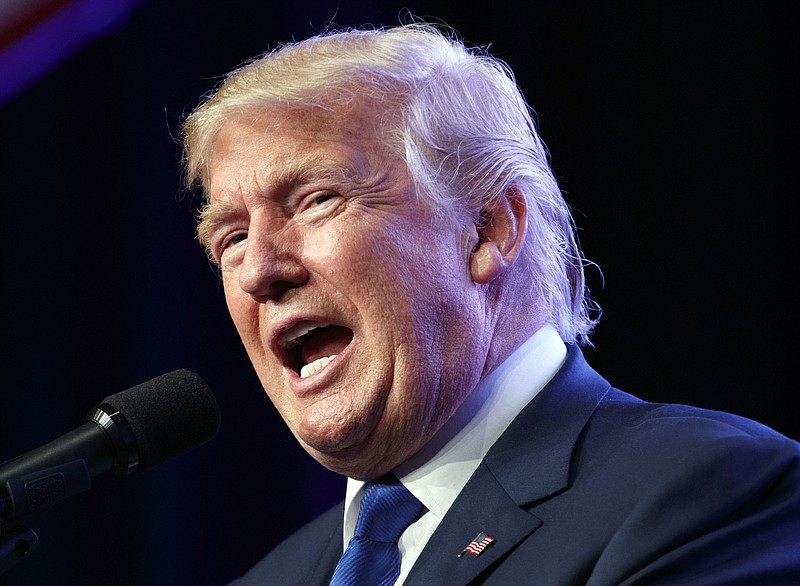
{"points": [[672, 131]]}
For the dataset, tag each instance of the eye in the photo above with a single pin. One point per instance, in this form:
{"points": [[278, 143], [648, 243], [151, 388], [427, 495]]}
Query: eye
{"points": [[319, 205], [233, 239], [322, 198], [229, 246]]}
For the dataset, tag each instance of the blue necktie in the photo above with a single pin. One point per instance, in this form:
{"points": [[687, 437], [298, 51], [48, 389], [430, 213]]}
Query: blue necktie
{"points": [[372, 557]]}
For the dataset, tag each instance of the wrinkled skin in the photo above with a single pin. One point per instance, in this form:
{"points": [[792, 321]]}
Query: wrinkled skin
{"points": [[312, 220]]}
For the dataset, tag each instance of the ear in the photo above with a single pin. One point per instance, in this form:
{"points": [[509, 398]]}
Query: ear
{"points": [[501, 232]]}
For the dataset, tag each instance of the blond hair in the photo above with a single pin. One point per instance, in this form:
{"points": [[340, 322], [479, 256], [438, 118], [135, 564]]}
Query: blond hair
{"points": [[456, 116]]}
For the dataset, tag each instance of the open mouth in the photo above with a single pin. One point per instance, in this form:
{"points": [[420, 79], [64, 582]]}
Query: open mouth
{"points": [[310, 346]]}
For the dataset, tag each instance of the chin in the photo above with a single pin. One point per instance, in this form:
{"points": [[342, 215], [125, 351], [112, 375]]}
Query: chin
{"points": [[362, 460], [345, 462], [329, 436]]}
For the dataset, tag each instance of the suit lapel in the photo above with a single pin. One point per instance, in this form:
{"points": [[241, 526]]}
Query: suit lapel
{"points": [[530, 462], [483, 505], [322, 568]]}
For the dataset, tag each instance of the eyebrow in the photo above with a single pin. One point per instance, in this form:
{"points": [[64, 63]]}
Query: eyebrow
{"points": [[212, 215]]}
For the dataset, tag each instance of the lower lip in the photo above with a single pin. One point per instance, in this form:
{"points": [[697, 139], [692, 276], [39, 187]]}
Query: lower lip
{"points": [[316, 382]]}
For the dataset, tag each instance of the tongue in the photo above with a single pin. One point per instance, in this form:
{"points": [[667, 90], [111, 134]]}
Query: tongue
{"points": [[325, 342]]}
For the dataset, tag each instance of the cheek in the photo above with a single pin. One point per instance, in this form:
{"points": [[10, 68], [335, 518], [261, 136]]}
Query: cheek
{"points": [[231, 295], [241, 309]]}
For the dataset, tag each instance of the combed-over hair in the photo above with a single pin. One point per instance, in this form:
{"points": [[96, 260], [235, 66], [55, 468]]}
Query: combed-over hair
{"points": [[453, 113]]}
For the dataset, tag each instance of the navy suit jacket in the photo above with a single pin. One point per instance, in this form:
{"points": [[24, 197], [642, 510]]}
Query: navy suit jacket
{"points": [[592, 486]]}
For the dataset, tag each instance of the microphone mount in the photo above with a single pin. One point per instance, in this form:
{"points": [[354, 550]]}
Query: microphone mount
{"points": [[27, 497]]}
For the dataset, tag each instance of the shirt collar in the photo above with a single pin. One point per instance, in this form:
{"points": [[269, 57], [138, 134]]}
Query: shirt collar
{"points": [[440, 470]]}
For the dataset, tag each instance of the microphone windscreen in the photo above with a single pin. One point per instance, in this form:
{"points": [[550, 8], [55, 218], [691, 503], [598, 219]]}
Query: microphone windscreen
{"points": [[168, 415]]}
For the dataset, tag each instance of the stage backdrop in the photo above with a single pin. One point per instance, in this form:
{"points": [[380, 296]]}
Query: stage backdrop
{"points": [[672, 132]]}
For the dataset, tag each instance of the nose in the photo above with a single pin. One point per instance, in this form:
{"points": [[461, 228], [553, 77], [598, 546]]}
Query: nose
{"points": [[271, 265]]}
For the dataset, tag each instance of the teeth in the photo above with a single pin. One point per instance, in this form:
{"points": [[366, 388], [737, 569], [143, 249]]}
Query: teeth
{"points": [[313, 367], [292, 335]]}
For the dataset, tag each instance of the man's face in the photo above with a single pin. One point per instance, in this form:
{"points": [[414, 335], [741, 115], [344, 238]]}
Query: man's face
{"points": [[319, 229]]}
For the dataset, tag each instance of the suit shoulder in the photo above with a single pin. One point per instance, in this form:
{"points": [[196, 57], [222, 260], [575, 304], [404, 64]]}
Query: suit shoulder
{"points": [[655, 446], [709, 490], [684, 423]]}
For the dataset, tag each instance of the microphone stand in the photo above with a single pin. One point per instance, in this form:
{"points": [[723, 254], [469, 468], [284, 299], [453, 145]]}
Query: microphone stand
{"points": [[26, 498]]}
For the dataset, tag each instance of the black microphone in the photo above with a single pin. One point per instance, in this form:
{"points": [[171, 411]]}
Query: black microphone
{"points": [[128, 432]]}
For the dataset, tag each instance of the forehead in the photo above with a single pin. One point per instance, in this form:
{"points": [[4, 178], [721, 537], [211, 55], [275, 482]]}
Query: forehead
{"points": [[279, 146]]}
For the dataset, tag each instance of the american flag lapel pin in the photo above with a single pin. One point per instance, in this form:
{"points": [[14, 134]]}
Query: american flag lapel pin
{"points": [[478, 544]]}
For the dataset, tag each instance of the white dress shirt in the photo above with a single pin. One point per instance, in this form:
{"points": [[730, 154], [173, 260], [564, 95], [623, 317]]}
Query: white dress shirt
{"points": [[440, 470]]}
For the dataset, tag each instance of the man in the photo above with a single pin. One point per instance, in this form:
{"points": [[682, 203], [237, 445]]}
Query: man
{"points": [[401, 267]]}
